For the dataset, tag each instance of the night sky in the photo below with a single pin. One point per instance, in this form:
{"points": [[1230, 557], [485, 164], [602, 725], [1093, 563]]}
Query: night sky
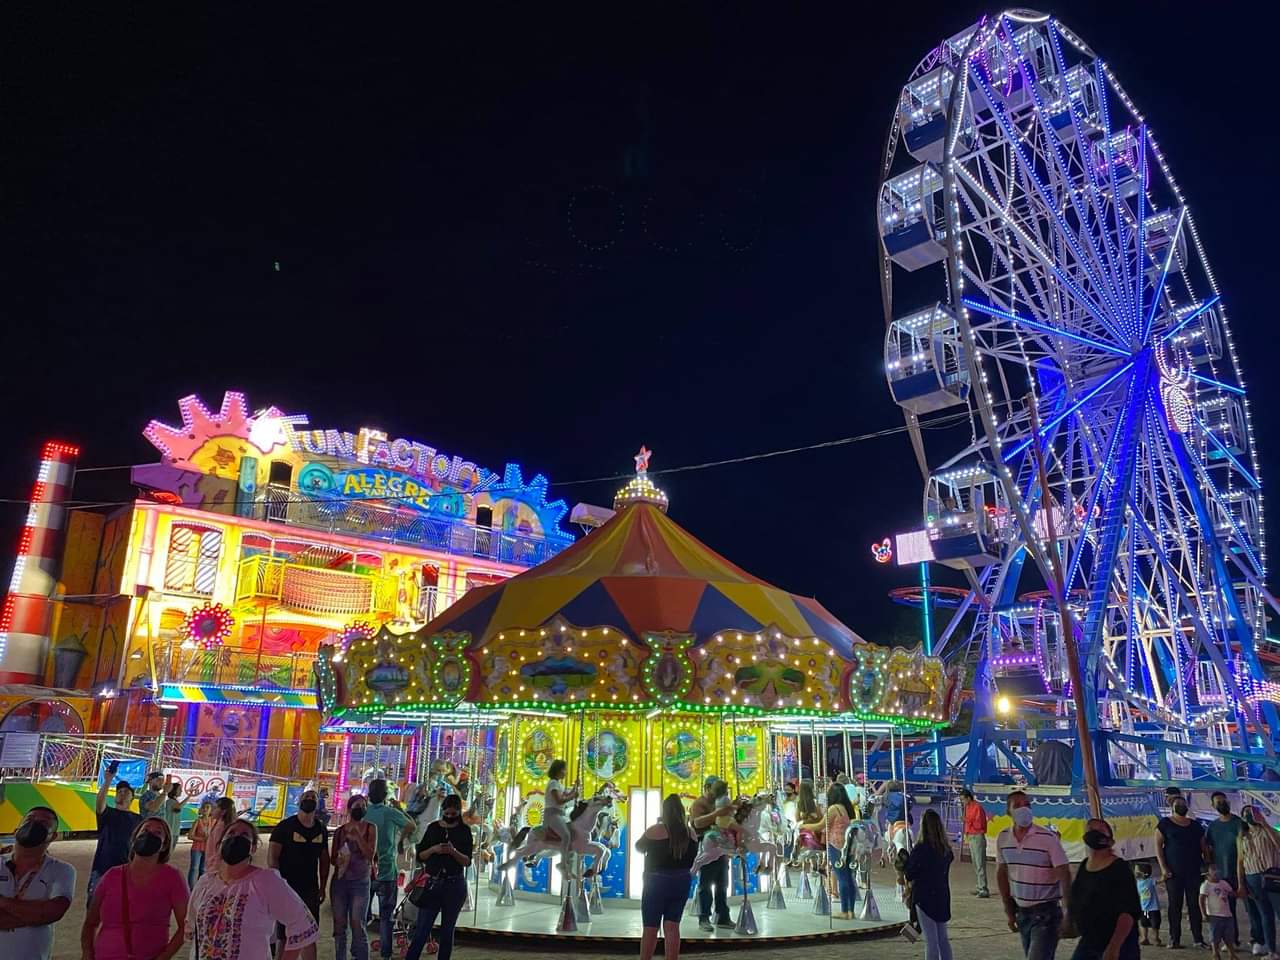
{"points": [[536, 238]]}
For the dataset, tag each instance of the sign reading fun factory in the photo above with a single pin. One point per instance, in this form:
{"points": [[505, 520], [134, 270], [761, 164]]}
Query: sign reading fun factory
{"points": [[372, 447]]}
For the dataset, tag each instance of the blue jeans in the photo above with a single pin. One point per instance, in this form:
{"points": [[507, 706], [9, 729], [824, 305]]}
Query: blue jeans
{"points": [[196, 870], [445, 901], [385, 891], [936, 944], [714, 878], [1039, 928], [349, 899], [844, 880], [1265, 930]]}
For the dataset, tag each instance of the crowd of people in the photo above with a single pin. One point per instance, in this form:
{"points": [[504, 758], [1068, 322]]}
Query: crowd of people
{"points": [[235, 904]]}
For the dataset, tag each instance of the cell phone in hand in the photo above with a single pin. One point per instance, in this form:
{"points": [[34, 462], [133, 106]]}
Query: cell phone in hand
{"points": [[112, 767]]}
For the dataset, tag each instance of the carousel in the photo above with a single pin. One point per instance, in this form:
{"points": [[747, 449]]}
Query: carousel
{"points": [[641, 662]]}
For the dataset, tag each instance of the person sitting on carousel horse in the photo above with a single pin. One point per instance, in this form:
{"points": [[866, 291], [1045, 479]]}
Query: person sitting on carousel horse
{"points": [[555, 826]]}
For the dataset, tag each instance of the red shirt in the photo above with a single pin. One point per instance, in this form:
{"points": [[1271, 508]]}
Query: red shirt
{"points": [[975, 819]]}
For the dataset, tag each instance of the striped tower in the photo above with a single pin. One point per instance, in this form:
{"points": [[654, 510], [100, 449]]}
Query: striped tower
{"points": [[26, 617]]}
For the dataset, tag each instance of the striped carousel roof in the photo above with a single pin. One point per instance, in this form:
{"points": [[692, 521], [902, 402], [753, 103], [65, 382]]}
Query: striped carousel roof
{"points": [[641, 572]]}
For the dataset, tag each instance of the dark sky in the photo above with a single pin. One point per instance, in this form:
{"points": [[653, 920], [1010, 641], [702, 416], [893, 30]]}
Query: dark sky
{"points": [[544, 238]]}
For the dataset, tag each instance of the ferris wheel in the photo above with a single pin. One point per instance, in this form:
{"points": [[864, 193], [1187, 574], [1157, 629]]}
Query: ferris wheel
{"points": [[1044, 285]]}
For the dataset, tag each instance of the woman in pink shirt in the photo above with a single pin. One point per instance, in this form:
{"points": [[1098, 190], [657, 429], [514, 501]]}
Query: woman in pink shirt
{"points": [[128, 917]]}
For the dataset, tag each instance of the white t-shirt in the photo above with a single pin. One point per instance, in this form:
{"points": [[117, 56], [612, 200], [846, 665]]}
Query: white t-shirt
{"points": [[549, 805], [1216, 893], [54, 879], [789, 812]]}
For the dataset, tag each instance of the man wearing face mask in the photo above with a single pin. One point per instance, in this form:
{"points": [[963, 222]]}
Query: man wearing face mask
{"points": [[299, 849], [116, 824], [1180, 851], [1034, 880], [1222, 841], [35, 889]]}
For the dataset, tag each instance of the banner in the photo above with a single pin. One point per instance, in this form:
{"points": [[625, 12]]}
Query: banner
{"points": [[201, 783], [132, 772]]}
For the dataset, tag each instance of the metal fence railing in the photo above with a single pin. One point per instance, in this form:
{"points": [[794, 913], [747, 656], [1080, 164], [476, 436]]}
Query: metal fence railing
{"points": [[79, 759]]}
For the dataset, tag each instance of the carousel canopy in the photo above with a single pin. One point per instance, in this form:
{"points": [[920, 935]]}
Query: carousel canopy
{"points": [[642, 573], [639, 614]]}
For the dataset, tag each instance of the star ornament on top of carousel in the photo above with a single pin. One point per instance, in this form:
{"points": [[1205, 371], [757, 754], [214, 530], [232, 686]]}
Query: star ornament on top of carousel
{"points": [[642, 459]]}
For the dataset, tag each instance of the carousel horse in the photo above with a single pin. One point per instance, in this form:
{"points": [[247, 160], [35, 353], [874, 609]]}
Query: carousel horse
{"points": [[747, 814], [530, 843]]}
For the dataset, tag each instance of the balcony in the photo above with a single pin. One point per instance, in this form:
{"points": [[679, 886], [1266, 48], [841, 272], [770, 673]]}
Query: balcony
{"points": [[378, 521], [313, 589], [234, 666]]}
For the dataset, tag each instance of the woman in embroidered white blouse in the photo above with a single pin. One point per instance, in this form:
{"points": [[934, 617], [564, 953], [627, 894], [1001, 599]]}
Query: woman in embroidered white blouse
{"points": [[234, 910]]}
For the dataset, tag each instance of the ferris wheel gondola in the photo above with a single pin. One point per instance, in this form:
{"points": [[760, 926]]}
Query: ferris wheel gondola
{"points": [[1036, 250]]}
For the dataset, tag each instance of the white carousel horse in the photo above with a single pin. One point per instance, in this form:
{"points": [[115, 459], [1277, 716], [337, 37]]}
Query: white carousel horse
{"points": [[748, 814], [529, 843]]}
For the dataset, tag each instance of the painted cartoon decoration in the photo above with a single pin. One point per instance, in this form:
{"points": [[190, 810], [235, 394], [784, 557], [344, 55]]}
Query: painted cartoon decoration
{"points": [[882, 551], [746, 755], [767, 669], [867, 680], [450, 668], [227, 736], [558, 675], [682, 755], [537, 752], [556, 665], [667, 673], [386, 678], [606, 754]]}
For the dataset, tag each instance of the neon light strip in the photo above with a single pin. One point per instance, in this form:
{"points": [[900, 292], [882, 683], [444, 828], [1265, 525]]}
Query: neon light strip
{"points": [[1067, 412], [1164, 273], [1219, 384], [1191, 316], [1043, 327], [1015, 141], [1142, 219], [1227, 453]]}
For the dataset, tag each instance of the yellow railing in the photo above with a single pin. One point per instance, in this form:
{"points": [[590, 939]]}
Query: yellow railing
{"points": [[314, 589]]}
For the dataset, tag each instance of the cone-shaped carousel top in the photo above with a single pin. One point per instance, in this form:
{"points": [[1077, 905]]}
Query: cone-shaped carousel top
{"points": [[642, 573]]}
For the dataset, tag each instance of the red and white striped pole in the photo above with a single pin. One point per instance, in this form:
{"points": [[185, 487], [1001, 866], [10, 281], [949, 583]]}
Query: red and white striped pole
{"points": [[27, 614]]}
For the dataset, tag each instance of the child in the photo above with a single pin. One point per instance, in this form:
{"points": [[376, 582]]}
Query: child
{"points": [[726, 823], [1150, 903], [1215, 905]]}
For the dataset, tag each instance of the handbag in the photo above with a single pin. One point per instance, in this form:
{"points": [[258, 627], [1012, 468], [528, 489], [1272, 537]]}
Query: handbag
{"points": [[1271, 880], [420, 885]]}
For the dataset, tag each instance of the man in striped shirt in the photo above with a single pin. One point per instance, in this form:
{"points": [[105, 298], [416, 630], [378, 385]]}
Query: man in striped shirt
{"points": [[1034, 880]]}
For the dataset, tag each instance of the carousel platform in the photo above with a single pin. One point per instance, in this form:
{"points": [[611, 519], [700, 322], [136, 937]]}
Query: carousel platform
{"points": [[534, 918]]}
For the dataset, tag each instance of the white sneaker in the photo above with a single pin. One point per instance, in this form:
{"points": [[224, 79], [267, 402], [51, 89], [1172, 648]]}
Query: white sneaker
{"points": [[1259, 950]]}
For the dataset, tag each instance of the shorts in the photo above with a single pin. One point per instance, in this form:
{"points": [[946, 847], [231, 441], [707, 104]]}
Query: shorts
{"points": [[664, 896], [1150, 920], [1220, 929]]}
